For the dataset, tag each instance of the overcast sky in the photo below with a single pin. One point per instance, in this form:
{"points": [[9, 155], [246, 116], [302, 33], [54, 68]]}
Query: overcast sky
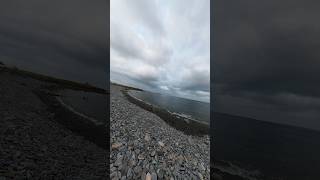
{"points": [[267, 60], [61, 38], [162, 46]]}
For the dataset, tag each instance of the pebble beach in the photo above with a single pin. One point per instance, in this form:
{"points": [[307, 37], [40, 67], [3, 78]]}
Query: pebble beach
{"points": [[33, 145], [143, 146]]}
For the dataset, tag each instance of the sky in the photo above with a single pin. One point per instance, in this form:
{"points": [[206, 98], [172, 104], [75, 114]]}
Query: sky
{"points": [[267, 60], [65, 39], [161, 46]]}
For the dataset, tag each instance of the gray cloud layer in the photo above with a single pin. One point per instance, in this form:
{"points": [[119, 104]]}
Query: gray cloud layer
{"points": [[67, 39], [266, 60], [162, 46]]}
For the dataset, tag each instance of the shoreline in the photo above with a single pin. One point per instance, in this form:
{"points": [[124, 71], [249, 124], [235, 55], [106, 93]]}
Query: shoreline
{"points": [[35, 142], [65, 115], [71, 109], [79, 124], [143, 143], [57, 83], [186, 125]]}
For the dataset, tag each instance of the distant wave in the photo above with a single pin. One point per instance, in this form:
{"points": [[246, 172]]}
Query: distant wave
{"points": [[187, 118], [96, 122], [179, 121]]}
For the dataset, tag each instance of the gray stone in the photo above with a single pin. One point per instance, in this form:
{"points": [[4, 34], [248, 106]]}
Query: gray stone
{"points": [[201, 167], [160, 173], [154, 162], [113, 169], [118, 162], [114, 174], [147, 137], [200, 176], [124, 168], [153, 153], [137, 170], [143, 175], [129, 173], [132, 163], [151, 168], [130, 143], [136, 142], [137, 151], [128, 154], [154, 176], [141, 157], [161, 143]]}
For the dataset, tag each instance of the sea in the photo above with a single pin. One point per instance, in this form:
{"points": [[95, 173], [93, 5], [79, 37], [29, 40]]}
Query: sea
{"points": [[196, 110], [91, 104], [262, 150]]}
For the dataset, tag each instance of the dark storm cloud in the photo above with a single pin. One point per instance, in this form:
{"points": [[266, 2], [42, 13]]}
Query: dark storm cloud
{"points": [[266, 60], [197, 80], [67, 39]]}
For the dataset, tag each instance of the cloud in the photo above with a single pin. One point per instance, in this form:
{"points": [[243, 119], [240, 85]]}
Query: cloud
{"points": [[266, 60], [162, 46], [66, 39]]}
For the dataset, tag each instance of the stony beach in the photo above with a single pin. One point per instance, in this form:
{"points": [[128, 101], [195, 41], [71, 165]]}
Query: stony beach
{"points": [[143, 146], [33, 145]]}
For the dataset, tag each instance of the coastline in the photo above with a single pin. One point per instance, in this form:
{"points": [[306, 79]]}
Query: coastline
{"points": [[142, 143], [35, 143], [52, 82], [75, 121], [187, 125]]}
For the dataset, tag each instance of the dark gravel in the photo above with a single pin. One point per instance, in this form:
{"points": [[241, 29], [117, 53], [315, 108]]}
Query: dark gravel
{"points": [[33, 145]]}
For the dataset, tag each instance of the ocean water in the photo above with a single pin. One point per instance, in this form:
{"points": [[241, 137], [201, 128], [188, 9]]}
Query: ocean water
{"points": [[185, 107], [271, 150], [92, 104]]}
